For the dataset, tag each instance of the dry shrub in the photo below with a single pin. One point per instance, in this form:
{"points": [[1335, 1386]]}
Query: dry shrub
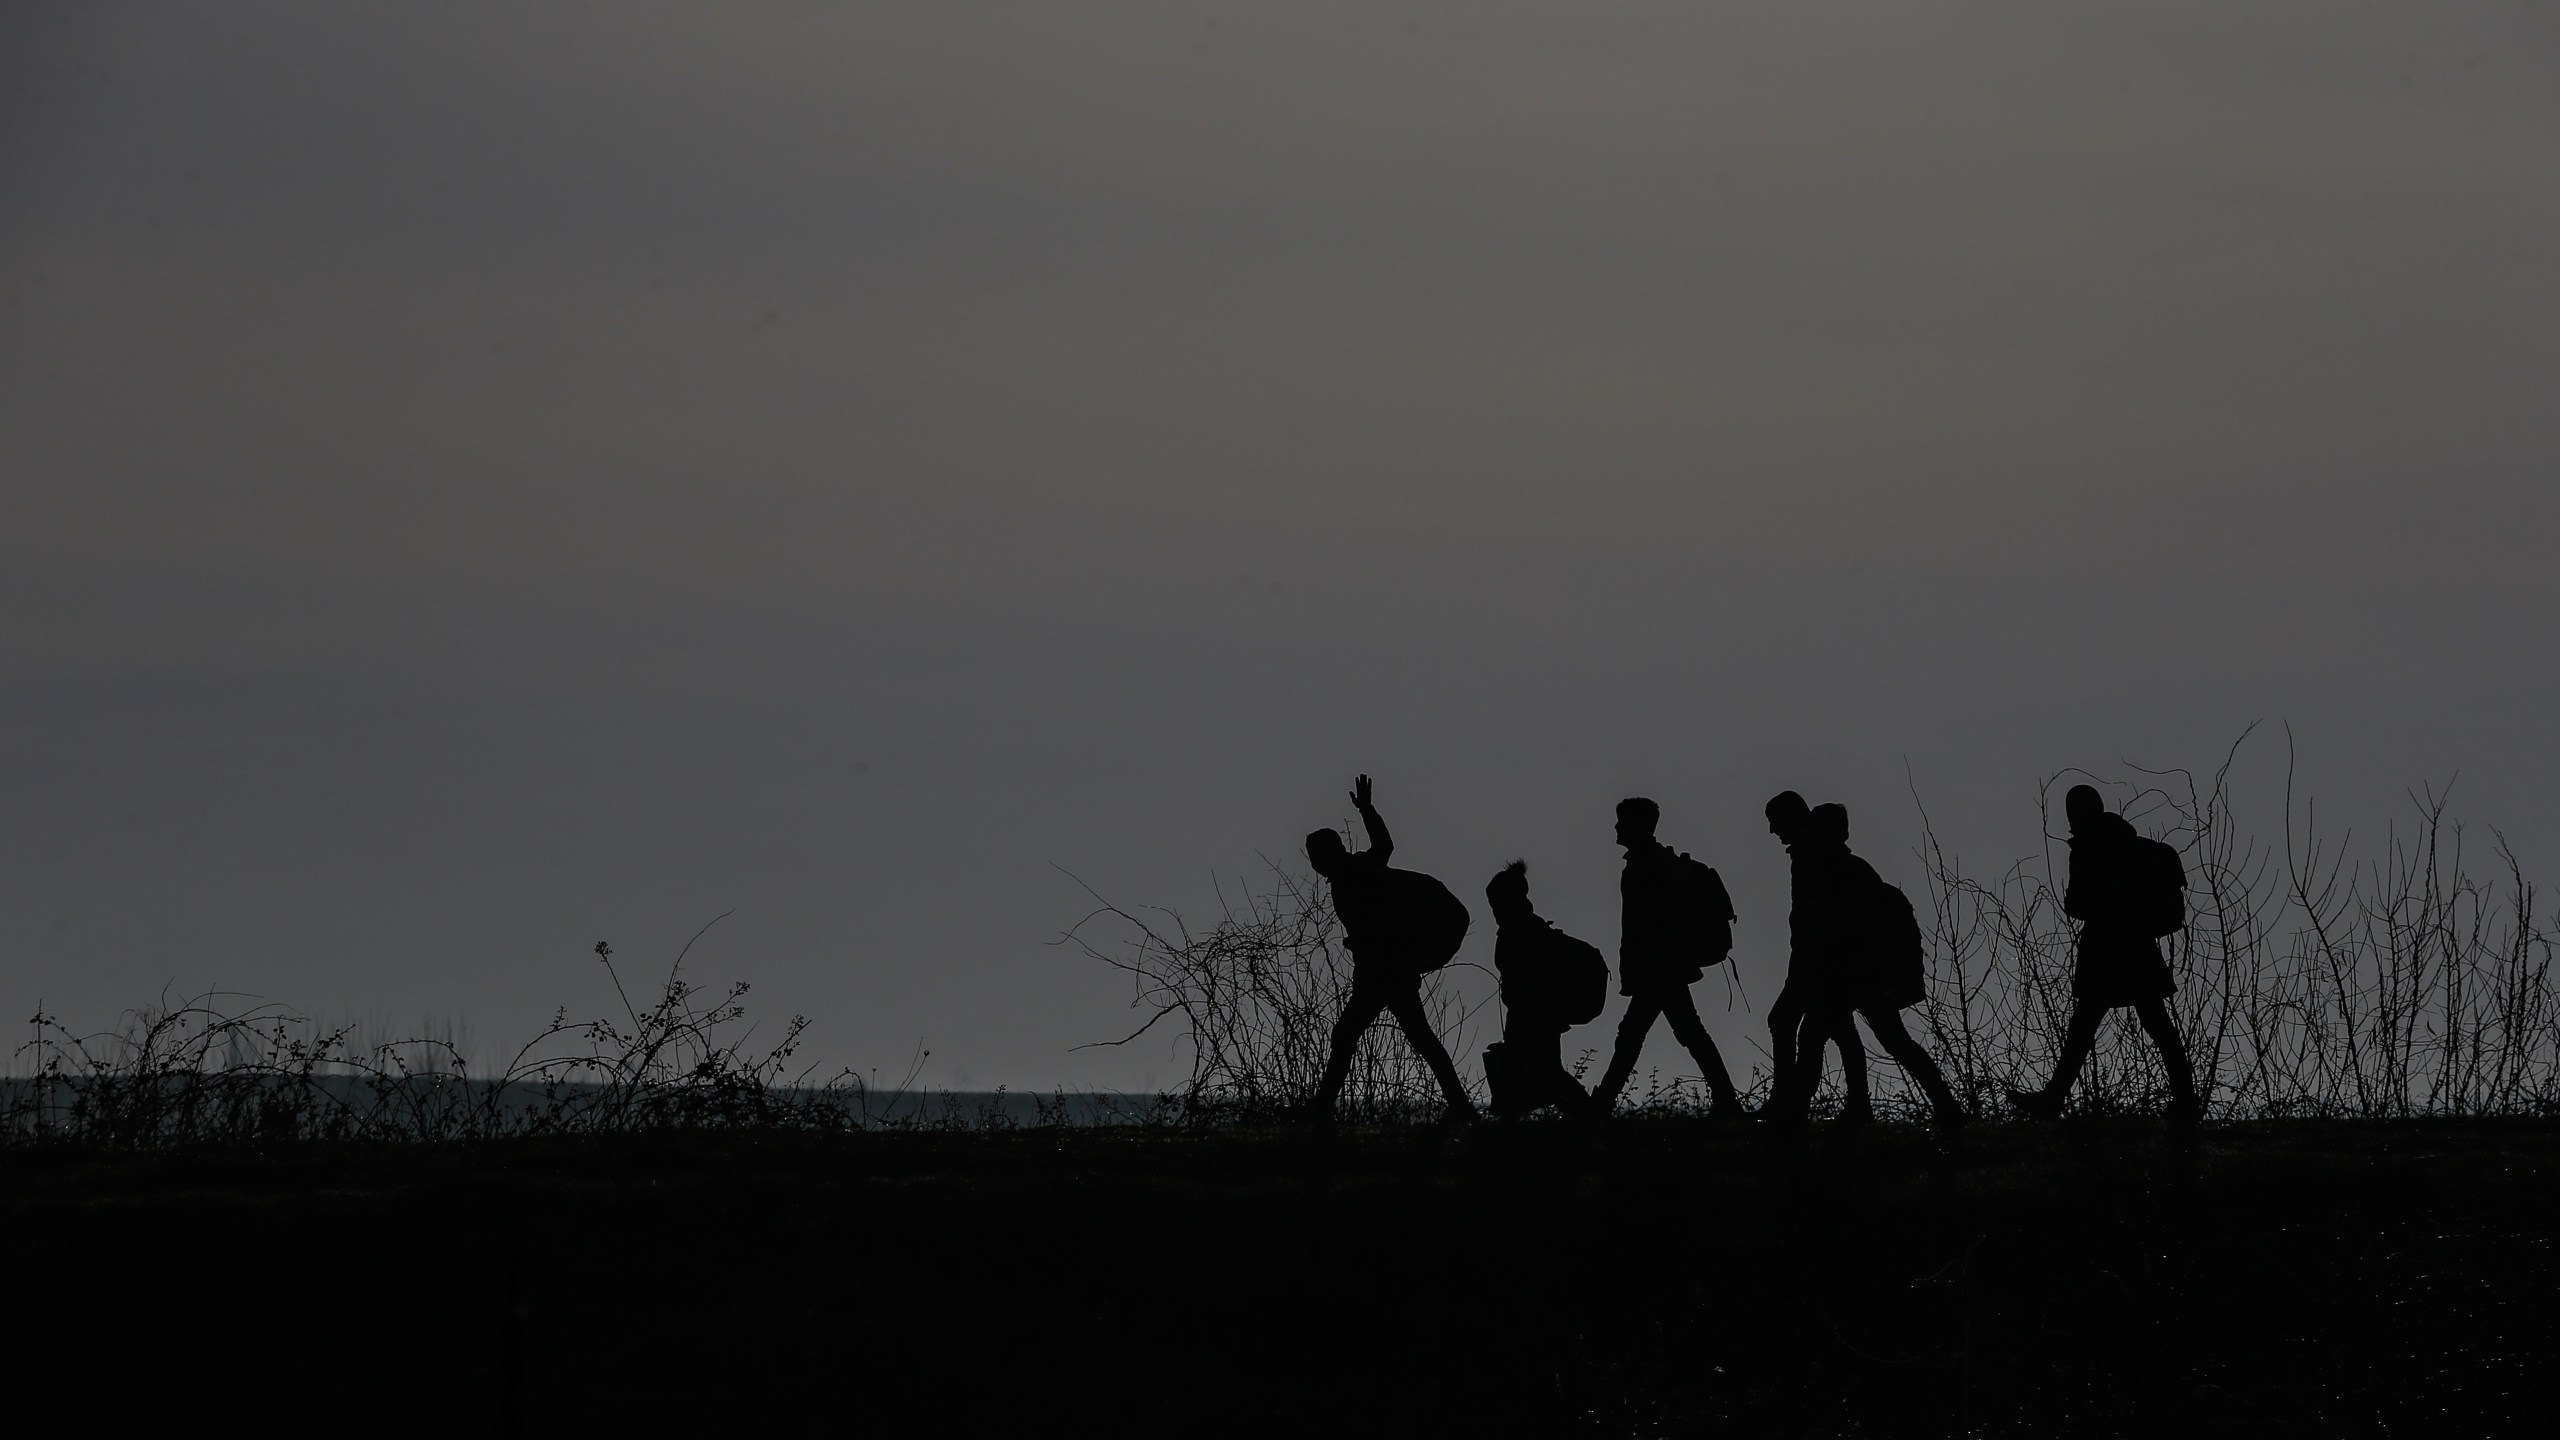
{"points": [[1252, 1001], [2309, 983]]}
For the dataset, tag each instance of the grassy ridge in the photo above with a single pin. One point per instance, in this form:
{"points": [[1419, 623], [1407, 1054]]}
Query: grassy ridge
{"points": [[1656, 1277]]}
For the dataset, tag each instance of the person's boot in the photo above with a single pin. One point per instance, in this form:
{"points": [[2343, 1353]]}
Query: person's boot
{"points": [[1786, 1106], [2184, 1107], [1781, 1085], [2037, 1104], [1945, 1111], [1604, 1096]]}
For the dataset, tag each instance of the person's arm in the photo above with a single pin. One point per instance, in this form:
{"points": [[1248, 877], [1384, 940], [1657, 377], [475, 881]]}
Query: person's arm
{"points": [[2073, 904], [1630, 914], [1381, 844]]}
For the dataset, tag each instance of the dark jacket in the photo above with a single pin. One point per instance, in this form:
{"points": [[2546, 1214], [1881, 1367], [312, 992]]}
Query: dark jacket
{"points": [[1361, 892], [1655, 949], [2118, 964], [1397, 924], [1537, 964], [2099, 892], [1830, 927]]}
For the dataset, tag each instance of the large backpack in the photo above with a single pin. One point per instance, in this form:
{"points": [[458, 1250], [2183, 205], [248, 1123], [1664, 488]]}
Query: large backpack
{"points": [[1581, 979], [1706, 910], [1894, 957], [2159, 876], [1429, 923]]}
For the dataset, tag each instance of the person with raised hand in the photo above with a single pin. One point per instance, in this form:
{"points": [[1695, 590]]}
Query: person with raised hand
{"points": [[1399, 925]]}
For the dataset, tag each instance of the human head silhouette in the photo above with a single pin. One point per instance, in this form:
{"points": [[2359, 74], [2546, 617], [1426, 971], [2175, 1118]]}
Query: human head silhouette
{"points": [[1786, 811], [1508, 891], [2083, 806], [1637, 818], [1325, 852], [1828, 824]]}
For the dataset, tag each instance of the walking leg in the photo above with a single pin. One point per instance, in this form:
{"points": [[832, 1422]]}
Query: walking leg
{"points": [[1357, 1012], [1916, 1062], [2173, 1057], [1857, 1106], [1407, 1008], [1804, 1070], [2077, 1042], [1692, 1034], [1785, 1015], [1641, 1013], [1555, 1085]]}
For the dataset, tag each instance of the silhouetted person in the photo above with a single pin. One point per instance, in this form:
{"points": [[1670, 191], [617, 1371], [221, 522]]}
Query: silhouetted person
{"points": [[2126, 891], [1867, 947], [1795, 1053], [1551, 982], [1399, 925], [1675, 920]]}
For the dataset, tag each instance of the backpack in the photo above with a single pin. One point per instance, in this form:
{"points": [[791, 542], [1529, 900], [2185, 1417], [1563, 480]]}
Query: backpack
{"points": [[1706, 910], [1581, 980], [2159, 888], [1429, 923], [1895, 956]]}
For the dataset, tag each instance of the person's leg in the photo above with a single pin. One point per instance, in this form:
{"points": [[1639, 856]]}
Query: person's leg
{"points": [[1785, 1016], [1857, 1106], [1407, 1008], [1804, 1070], [1506, 1093], [1692, 1034], [1357, 1012], [2077, 1042], [1542, 1063], [1642, 1010], [1917, 1063], [2173, 1057]]}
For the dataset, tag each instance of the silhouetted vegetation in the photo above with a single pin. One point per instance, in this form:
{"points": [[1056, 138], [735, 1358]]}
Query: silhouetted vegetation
{"points": [[196, 1073], [2310, 982], [1253, 1001], [652, 1187], [2313, 980]]}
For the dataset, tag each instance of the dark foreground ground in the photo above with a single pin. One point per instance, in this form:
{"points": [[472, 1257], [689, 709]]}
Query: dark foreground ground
{"points": [[2284, 1278]]}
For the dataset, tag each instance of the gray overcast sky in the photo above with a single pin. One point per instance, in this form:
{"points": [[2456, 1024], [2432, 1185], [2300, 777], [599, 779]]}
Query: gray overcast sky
{"points": [[479, 479]]}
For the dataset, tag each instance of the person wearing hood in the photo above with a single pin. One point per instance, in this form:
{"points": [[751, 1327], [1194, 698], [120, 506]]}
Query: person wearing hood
{"points": [[1551, 981], [2125, 895]]}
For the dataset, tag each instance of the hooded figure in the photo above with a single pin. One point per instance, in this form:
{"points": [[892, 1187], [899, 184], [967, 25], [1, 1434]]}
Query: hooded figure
{"points": [[2118, 896], [1550, 982]]}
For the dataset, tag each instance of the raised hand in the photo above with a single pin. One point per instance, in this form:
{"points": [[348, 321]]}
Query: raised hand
{"points": [[1360, 792]]}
